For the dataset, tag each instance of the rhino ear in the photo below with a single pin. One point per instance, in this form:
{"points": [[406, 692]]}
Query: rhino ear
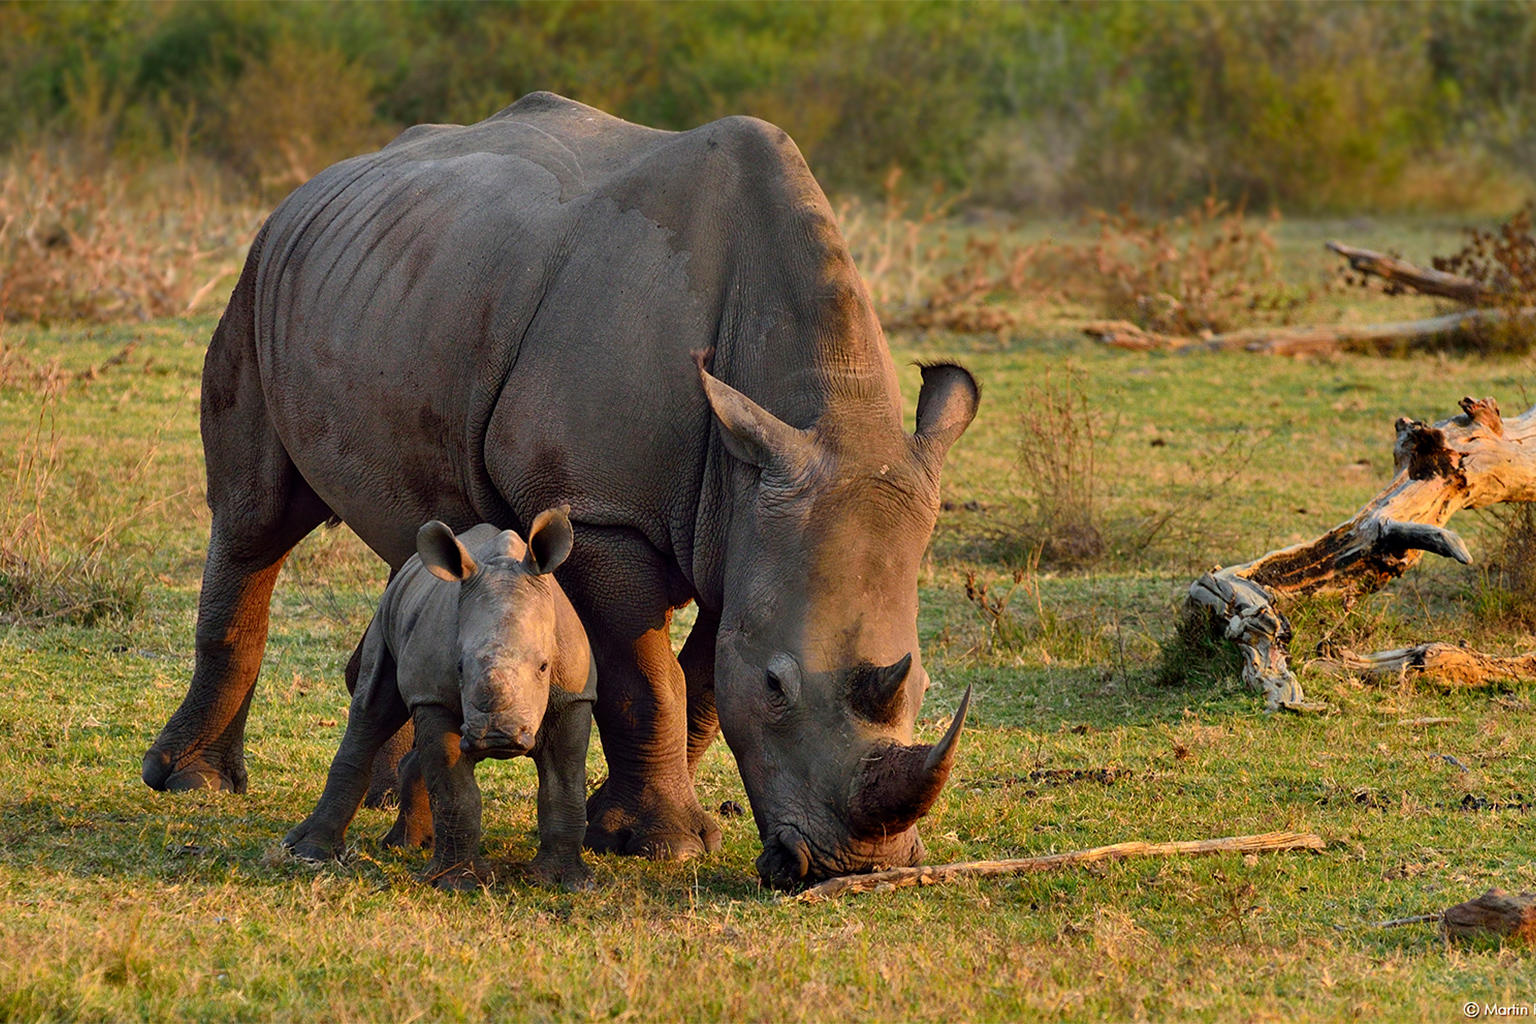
{"points": [[750, 432], [945, 407], [442, 553], [549, 540]]}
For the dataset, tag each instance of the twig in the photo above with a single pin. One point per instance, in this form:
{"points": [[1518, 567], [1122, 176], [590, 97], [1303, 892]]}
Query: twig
{"points": [[901, 878], [1398, 922]]}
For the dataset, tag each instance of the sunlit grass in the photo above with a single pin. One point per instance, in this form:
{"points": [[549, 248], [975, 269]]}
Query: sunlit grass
{"points": [[120, 903]]}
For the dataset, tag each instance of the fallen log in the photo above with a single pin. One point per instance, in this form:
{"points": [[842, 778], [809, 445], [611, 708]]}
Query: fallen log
{"points": [[1401, 272], [901, 878], [1468, 461], [1448, 664], [1298, 341]]}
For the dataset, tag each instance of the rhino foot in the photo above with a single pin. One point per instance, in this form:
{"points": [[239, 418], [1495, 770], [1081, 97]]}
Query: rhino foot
{"points": [[160, 772], [673, 833], [568, 875], [460, 877], [311, 842], [407, 833]]}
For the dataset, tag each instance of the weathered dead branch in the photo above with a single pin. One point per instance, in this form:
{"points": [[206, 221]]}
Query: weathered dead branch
{"points": [[1448, 664], [901, 878], [1468, 461], [1297, 341], [1420, 279]]}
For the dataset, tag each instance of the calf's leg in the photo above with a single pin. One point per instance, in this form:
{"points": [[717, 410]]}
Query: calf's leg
{"points": [[455, 797], [377, 713], [561, 758]]}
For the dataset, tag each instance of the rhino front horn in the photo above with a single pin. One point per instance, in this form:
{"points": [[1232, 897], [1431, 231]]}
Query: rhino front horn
{"points": [[897, 787]]}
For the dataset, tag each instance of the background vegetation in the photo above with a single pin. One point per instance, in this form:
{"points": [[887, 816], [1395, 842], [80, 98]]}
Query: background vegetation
{"points": [[1028, 106]]}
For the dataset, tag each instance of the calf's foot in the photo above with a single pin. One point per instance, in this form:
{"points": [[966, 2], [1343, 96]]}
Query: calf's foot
{"points": [[649, 824]]}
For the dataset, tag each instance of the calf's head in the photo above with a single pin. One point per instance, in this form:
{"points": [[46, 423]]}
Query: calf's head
{"points": [[818, 677], [506, 640]]}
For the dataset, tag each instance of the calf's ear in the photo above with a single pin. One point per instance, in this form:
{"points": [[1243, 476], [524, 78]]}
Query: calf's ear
{"points": [[442, 553], [549, 540], [945, 407]]}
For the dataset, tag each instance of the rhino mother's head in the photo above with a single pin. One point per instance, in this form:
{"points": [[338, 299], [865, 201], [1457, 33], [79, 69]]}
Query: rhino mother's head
{"points": [[818, 677]]}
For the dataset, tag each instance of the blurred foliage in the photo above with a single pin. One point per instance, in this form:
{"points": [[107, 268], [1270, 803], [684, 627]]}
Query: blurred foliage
{"points": [[1028, 106]]}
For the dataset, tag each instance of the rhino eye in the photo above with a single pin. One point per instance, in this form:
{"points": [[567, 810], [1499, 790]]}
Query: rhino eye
{"points": [[461, 666], [782, 677], [544, 668]]}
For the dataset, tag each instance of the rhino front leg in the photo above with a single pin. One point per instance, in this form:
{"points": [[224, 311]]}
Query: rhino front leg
{"points": [[647, 807], [561, 757], [623, 589], [455, 799]]}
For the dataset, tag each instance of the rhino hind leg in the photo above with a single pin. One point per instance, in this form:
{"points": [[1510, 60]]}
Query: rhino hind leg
{"points": [[698, 663], [261, 508], [386, 787], [412, 829]]}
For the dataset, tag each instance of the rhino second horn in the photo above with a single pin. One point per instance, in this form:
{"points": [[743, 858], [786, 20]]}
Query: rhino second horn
{"points": [[881, 693], [897, 787]]}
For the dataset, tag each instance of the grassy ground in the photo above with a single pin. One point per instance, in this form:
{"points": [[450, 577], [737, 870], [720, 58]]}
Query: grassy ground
{"points": [[118, 903]]}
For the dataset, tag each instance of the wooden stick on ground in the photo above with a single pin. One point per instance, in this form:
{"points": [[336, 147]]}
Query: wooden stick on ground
{"points": [[1450, 664], [901, 878], [1299, 341]]}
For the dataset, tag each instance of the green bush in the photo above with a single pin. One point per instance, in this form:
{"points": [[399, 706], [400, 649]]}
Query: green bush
{"points": [[1310, 107]]}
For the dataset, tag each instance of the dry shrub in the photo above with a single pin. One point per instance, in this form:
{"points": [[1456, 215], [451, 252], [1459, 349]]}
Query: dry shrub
{"points": [[1200, 272], [1058, 464], [78, 245], [1503, 260], [1203, 271], [898, 250], [1507, 593], [44, 576]]}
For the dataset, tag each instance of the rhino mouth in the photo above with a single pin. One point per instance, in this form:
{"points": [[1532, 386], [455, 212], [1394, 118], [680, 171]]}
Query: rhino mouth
{"points": [[496, 744], [791, 861]]}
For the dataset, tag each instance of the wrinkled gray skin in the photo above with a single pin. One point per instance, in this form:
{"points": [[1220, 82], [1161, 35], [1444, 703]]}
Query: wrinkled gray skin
{"points": [[479, 322], [476, 643]]}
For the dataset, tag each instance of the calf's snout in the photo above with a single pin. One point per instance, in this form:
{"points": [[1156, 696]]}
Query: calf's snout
{"points": [[497, 741]]}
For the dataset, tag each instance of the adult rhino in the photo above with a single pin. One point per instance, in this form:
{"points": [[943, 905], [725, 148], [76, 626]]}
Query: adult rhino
{"points": [[554, 306]]}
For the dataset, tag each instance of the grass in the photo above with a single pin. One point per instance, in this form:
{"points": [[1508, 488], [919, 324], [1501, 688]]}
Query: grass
{"points": [[119, 903]]}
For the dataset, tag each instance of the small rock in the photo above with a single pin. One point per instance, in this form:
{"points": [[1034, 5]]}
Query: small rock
{"points": [[732, 809]]}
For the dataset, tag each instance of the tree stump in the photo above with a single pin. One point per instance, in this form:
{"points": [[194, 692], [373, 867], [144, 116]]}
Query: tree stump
{"points": [[1502, 913]]}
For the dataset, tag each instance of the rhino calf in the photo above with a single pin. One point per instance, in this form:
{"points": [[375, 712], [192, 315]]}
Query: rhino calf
{"points": [[496, 665]]}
